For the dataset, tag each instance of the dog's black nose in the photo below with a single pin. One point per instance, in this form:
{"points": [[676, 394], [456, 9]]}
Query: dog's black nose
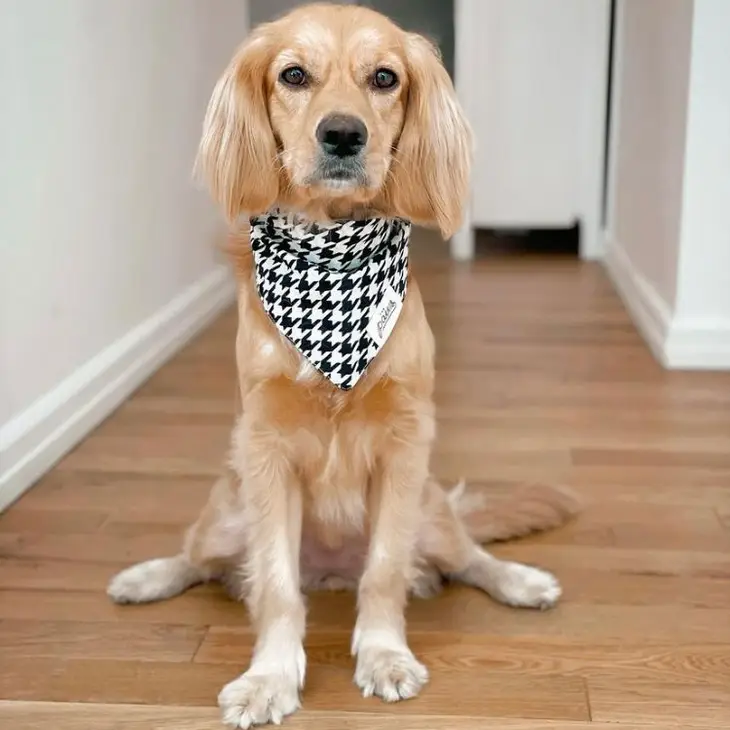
{"points": [[342, 135]]}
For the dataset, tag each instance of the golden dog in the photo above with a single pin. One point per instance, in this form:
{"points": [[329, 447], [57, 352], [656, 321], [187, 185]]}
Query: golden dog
{"points": [[334, 112]]}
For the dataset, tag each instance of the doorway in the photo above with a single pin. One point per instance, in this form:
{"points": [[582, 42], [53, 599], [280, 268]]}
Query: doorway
{"points": [[432, 18]]}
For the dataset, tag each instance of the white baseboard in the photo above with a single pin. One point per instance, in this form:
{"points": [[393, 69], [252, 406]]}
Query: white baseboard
{"points": [[32, 442], [676, 343], [698, 345], [651, 314]]}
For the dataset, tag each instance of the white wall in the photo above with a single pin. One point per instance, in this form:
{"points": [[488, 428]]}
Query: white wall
{"points": [[704, 289], [108, 260], [668, 238], [650, 118]]}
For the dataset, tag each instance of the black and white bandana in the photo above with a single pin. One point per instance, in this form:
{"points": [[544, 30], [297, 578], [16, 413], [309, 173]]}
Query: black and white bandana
{"points": [[333, 290]]}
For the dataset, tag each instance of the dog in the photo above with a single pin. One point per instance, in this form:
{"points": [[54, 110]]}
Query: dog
{"points": [[334, 113]]}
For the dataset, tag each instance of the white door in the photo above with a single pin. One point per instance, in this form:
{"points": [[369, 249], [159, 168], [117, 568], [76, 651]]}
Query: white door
{"points": [[533, 77]]}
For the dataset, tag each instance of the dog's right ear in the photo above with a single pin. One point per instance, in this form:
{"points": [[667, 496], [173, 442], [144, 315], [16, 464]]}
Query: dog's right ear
{"points": [[237, 156]]}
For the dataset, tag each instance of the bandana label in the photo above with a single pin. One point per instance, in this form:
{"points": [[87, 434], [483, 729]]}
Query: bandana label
{"points": [[385, 316], [335, 291]]}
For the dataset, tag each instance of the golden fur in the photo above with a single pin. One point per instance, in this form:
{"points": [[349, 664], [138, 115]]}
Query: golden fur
{"points": [[326, 488]]}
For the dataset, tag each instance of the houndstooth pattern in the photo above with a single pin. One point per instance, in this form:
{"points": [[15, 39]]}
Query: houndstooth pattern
{"points": [[321, 285]]}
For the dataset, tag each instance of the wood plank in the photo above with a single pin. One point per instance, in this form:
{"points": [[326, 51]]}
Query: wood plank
{"points": [[53, 575], [199, 606], [50, 521], [112, 681], [651, 485], [72, 716], [610, 560], [715, 455], [587, 586], [473, 613], [452, 651], [80, 680], [89, 640], [122, 491], [109, 547], [170, 464], [529, 465], [640, 525], [146, 526], [660, 704], [704, 448]]}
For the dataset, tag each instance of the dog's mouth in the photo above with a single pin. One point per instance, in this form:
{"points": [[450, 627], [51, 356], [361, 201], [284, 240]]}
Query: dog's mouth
{"points": [[338, 174]]}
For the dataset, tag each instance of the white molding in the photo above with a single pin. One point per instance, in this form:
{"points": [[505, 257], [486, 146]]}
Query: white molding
{"points": [[678, 344], [32, 442], [701, 344], [650, 313]]}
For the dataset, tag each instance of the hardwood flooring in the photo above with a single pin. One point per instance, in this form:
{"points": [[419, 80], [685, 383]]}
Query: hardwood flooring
{"points": [[541, 377]]}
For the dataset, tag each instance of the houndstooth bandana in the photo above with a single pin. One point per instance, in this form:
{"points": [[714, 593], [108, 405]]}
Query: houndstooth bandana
{"points": [[333, 290]]}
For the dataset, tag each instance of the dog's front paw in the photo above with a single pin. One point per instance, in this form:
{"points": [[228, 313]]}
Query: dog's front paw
{"points": [[391, 674], [258, 699]]}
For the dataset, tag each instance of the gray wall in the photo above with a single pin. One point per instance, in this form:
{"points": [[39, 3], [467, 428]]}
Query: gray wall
{"points": [[434, 18], [263, 10]]}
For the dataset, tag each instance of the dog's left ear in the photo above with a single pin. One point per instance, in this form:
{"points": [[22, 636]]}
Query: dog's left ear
{"points": [[429, 177]]}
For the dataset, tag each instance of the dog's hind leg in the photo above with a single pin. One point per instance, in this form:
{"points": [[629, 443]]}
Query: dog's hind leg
{"points": [[154, 580], [445, 544], [513, 584], [209, 546]]}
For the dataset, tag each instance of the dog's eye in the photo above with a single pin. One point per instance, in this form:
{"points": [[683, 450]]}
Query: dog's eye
{"points": [[294, 76], [384, 78]]}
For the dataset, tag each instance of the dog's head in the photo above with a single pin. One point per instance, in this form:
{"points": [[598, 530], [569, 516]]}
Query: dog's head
{"points": [[337, 106]]}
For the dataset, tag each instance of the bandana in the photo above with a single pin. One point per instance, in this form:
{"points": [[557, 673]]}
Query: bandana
{"points": [[334, 290]]}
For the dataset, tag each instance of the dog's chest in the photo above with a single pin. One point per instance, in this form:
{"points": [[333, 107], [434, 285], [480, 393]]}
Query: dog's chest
{"points": [[336, 483]]}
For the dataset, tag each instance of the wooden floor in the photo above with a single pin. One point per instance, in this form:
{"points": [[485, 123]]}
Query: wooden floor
{"points": [[541, 376]]}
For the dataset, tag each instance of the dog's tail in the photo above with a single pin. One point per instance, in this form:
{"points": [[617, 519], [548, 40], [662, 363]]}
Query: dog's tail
{"points": [[491, 517]]}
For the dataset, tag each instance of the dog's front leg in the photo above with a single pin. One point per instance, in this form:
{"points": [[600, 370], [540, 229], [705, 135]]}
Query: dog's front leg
{"points": [[386, 666], [269, 690]]}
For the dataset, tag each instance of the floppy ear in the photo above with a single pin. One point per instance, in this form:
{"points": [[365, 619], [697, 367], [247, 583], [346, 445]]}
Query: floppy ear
{"points": [[237, 157], [429, 178]]}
